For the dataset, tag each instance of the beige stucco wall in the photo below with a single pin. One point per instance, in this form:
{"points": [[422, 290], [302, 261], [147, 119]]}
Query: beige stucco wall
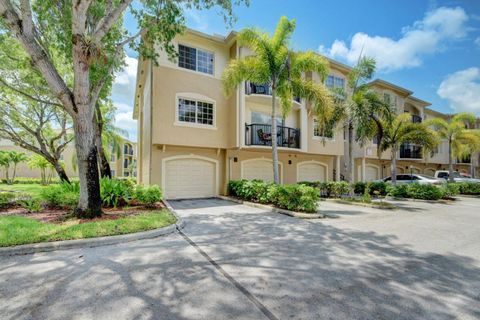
{"points": [[169, 84]]}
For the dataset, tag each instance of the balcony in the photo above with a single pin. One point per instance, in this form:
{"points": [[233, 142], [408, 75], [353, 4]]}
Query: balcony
{"points": [[466, 159], [264, 89], [410, 151], [261, 135], [416, 119]]}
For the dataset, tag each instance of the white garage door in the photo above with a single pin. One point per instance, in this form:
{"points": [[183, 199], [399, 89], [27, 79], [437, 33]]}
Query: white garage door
{"points": [[189, 178], [311, 172], [371, 173], [260, 169]]}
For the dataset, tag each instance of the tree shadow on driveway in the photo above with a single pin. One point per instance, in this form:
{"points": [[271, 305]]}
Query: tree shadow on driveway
{"points": [[297, 269]]}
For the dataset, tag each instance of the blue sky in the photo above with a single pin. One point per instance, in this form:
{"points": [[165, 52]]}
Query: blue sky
{"points": [[429, 47]]}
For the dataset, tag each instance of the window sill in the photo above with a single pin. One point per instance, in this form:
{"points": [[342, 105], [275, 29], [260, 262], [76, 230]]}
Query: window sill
{"points": [[194, 125]]}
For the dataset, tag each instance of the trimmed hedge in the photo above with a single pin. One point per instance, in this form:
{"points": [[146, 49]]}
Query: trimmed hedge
{"points": [[329, 189], [469, 188], [424, 191], [295, 197]]}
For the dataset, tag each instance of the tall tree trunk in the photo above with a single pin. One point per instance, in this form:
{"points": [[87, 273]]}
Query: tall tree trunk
{"points": [[393, 166], [276, 178], [105, 171], [89, 204], [351, 160], [450, 161]]}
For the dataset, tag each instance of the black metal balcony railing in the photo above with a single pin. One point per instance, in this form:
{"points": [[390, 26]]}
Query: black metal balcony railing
{"points": [[466, 159], [410, 151], [416, 119], [253, 88], [261, 135]]}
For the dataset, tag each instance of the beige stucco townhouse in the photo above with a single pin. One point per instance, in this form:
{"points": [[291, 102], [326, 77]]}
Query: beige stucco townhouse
{"points": [[192, 139]]}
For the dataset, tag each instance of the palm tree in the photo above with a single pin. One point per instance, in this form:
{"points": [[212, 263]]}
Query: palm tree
{"points": [[362, 108], [5, 162], [457, 136], [16, 158], [273, 63], [46, 168], [399, 129]]}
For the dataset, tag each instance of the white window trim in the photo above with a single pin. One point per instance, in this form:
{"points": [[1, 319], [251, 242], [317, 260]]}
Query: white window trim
{"points": [[196, 97], [321, 138], [196, 61]]}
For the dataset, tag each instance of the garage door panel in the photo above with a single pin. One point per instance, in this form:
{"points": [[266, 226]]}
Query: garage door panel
{"points": [[311, 172], [189, 178], [258, 169], [371, 173]]}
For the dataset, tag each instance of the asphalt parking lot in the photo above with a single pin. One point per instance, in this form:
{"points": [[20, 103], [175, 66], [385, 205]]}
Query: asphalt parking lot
{"points": [[236, 262]]}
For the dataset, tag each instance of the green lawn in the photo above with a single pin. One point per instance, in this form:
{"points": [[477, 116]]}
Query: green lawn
{"points": [[33, 189], [15, 230]]}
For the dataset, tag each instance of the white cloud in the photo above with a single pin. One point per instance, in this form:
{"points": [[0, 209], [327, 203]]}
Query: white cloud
{"points": [[124, 84], [462, 90], [422, 38], [477, 41], [123, 92], [125, 121]]}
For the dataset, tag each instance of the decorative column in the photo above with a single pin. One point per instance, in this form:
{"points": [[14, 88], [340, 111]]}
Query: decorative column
{"points": [[337, 168], [363, 170]]}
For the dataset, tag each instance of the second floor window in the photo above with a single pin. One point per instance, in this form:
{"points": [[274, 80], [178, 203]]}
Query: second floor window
{"points": [[335, 82], [318, 133], [195, 59], [193, 111]]}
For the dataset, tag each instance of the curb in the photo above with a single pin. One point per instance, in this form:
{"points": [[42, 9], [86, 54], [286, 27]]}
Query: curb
{"points": [[93, 242], [361, 204], [295, 214], [441, 201]]}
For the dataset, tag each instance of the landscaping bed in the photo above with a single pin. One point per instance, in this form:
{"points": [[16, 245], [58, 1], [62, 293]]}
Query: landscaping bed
{"points": [[17, 230], [32, 213]]}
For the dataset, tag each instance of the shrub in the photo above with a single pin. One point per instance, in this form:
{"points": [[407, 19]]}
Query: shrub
{"points": [[252, 190], [6, 199], [359, 187], [148, 195], [30, 204], [297, 197], [424, 191], [114, 192], [333, 188], [469, 188], [398, 191], [61, 195], [451, 189], [377, 188]]}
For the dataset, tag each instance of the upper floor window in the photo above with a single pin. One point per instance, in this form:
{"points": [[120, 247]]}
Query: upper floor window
{"points": [[194, 111], [318, 133], [335, 82], [195, 59]]}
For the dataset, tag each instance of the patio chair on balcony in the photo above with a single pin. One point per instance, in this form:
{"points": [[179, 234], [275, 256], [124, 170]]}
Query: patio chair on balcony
{"points": [[265, 138]]}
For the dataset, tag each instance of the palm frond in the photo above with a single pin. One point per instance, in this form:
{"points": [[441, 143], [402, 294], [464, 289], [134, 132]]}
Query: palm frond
{"points": [[246, 69], [309, 61], [283, 33]]}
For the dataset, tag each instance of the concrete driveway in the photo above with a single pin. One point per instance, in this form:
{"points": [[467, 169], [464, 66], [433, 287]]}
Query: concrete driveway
{"points": [[237, 262]]}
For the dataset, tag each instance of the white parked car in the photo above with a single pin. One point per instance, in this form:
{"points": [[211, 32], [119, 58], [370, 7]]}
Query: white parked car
{"points": [[415, 178], [457, 177]]}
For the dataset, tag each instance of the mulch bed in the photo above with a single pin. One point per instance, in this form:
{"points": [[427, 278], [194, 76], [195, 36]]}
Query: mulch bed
{"points": [[59, 215]]}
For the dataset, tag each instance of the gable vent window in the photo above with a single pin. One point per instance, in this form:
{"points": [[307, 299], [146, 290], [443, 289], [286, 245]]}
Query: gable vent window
{"points": [[195, 59]]}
